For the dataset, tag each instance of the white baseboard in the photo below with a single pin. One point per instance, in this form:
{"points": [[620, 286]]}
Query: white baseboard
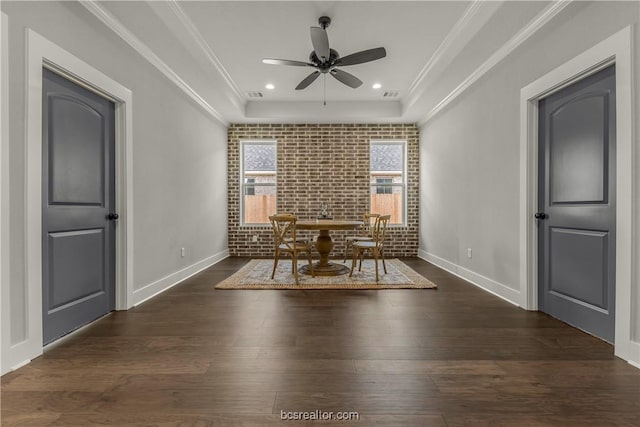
{"points": [[498, 289], [151, 290], [634, 354]]}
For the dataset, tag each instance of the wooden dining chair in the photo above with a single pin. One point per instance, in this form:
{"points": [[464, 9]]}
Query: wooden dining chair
{"points": [[285, 240], [376, 245], [368, 221]]}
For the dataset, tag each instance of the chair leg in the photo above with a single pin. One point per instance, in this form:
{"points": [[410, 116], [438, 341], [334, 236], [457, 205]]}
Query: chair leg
{"points": [[275, 264], [383, 264], [361, 258], [375, 257], [294, 266], [353, 260], [310, 263], [346, 249]]}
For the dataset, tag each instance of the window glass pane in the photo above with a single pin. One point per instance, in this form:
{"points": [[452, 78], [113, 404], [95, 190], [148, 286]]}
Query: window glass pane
{"points": [[250, 189], [388, 203], [384, 185], [259, 205], [387, 157], [387, 180], [259, 157], [259, 182]]}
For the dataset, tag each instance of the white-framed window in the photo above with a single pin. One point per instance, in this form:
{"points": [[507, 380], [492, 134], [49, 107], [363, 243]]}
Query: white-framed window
{"points": [[388, 179], [258, 181]]}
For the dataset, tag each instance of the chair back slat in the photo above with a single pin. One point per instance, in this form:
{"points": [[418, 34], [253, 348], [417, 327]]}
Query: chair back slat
{"points": [[369, 221], [380, 229], [284, 230]]}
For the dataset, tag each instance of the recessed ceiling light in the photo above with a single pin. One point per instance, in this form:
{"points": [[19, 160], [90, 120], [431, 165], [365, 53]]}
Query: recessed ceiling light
{"points": [[270, 86], [376, 86]]}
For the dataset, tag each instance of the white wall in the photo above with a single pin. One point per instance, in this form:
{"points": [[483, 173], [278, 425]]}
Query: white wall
{"points": [[470, 152], [179, 159]]}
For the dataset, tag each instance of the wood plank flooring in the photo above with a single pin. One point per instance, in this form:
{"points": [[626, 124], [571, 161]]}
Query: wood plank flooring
{"points": [[195, 356]]}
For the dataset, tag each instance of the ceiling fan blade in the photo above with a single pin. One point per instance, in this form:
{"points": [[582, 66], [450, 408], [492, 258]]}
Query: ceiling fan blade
{"points": [[308, 80], [362, 56], [346, 78], [320, 42], [286, 62]]}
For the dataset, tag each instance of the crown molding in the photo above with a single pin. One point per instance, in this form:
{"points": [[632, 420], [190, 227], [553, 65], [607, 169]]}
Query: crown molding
{"points": [[448, 41], [205, 48], [529, 30], [475, 16], [118, 28]]}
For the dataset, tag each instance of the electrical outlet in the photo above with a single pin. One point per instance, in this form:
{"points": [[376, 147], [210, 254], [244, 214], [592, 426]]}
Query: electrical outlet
{"points": [[182, 252], [254, 238], [469, 253]]}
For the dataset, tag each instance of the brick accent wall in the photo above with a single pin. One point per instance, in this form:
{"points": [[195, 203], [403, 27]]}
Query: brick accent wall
{"points": [[319, 163]]}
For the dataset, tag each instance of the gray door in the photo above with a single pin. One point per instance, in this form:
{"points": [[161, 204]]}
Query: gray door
{"points": [[577, 199], [78, 232]]}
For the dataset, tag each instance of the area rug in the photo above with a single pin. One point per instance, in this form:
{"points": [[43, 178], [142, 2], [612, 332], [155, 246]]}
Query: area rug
{"points": [[257, 275]]}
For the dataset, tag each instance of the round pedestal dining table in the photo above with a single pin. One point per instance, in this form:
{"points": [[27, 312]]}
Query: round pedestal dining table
{"points": [[324, 244]]}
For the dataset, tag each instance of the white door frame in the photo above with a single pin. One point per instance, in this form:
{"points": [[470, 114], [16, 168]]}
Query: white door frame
{"points": [[614, 50], [43, 53], [5, 332]]}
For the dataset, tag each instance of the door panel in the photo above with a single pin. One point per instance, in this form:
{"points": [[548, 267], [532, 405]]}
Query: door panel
{"points": [[576, 237], [578, 265], [76, 266], [78, 240], [579, 153], [76, 153]]}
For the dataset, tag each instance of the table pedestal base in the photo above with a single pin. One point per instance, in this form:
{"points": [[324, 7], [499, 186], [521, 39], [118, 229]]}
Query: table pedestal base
{"points": [[330, 269], [324, 267]]}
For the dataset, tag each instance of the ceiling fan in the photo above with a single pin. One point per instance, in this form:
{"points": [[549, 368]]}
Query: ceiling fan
{"points": [[326, 60]]}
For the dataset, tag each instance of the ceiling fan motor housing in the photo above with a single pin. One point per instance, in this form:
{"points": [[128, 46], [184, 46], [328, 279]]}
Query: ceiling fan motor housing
{"points": [[325, 66]]}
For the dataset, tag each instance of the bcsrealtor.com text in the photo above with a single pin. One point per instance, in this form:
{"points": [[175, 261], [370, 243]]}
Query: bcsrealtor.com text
{"points": [[319, 415]]}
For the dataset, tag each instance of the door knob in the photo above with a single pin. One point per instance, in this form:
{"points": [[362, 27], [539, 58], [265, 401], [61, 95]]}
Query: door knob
{"points": [[540, 215], [113, 216]]}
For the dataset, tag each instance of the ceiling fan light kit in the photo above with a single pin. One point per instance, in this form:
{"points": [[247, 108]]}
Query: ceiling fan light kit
{"points": [[326, 60]]}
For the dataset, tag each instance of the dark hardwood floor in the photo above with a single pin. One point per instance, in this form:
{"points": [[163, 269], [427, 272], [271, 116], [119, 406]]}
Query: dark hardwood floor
{"points": [[195, 356]]}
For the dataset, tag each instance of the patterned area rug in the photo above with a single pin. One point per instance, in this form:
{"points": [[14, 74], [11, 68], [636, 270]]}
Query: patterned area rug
{"points": [[257, 275]]}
